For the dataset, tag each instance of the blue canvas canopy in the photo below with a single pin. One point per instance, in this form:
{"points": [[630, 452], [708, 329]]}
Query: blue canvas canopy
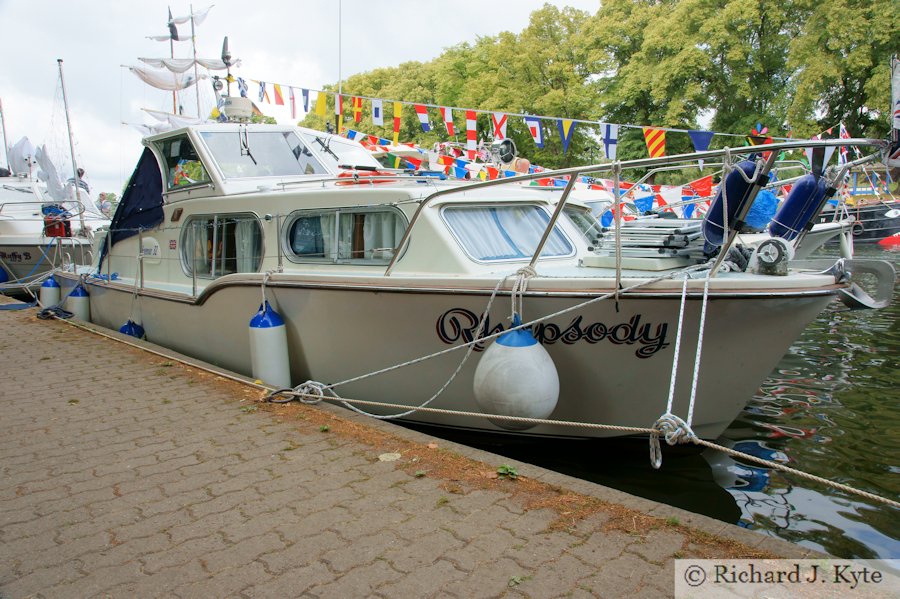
{"points": [[141, 207]]}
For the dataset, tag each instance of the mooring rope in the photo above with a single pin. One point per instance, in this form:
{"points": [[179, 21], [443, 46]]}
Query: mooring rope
{"points": [[653, 432]]}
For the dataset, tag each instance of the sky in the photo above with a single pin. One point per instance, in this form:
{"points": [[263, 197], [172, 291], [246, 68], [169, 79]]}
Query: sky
{"points": [[294, 42]]}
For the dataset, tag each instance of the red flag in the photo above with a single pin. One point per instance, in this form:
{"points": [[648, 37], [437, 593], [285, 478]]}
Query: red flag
{"points": [[357, 109], [702, 187]]}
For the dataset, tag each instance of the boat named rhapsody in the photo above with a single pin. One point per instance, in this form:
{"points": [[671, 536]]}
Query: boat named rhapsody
{"points": [[363, 270]]}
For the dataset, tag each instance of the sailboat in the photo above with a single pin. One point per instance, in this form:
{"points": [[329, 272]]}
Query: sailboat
{"points": [[45, 223]]}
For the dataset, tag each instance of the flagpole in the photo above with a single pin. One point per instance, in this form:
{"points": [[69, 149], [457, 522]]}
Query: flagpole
{"points": [[5, 143], [196, 74], [337, 118], [172, 55]]}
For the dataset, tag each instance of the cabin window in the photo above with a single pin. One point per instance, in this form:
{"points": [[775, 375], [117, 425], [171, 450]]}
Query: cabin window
{"points": [[243, 154], [491, 233], [183, 166], [222, 244], [358, 236], [584, 220]]}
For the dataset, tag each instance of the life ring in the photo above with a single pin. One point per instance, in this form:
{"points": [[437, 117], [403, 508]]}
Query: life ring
{"points": [[358, 178], [857, 229]]}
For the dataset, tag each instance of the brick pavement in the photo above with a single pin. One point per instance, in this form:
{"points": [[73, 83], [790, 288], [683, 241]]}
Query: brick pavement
{"points": [[123, 474]]}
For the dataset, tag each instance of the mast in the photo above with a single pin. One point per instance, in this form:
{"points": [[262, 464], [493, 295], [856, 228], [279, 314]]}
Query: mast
{"points": [[5, 143], [172, 55], [77, 179], [337, 118], [196, 74]]}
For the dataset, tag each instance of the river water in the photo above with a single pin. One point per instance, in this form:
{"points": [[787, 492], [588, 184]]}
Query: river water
{"points": [[830, 408]]}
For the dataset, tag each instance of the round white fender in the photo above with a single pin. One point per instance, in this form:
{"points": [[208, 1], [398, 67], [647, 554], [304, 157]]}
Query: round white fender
{"points": [[269, 348], [79, 303], [516, 377], [49, 293]]}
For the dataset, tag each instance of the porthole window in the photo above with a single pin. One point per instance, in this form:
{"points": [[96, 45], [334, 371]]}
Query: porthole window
{"points": [[222, 244]]}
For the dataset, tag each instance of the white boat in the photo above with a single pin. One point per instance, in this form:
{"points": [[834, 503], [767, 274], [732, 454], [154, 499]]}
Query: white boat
{"points": [[43, 225], [371, 269]]}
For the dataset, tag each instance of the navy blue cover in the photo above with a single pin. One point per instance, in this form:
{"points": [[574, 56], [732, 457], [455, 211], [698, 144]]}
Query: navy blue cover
{"points": [[142, 203]]}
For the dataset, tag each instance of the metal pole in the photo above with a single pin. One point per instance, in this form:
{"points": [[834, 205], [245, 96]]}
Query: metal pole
{"points": [[552, 223], [194, 258], [77, 179], [141, 255], [337, 118], [5, 143], [278, 242], [196, 74], [109, 254], [172, 55]]}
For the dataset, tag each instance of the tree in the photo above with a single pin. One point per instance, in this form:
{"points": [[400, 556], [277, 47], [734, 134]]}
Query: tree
{"points": [[840, 66]]}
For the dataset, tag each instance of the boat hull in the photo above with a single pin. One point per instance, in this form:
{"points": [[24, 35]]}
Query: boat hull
{"points": [[25, 259], [614, 361], [871, 222]]}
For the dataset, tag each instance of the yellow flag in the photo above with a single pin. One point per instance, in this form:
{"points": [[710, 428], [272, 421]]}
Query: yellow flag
{"points": [[321, 109], [398, 106]]}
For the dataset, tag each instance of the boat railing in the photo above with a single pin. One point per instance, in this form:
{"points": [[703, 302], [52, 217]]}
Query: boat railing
{"points": [[615, 169]]}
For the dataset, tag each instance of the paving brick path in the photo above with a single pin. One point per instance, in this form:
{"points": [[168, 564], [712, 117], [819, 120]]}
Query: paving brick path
{"points": [[125, 475]]}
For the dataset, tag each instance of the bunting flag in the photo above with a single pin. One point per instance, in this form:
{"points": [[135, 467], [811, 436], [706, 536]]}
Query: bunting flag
{"points": [[701, 140], [357, 109], [293, 103], [844, 155], [492, 173], [422, 113], [304, 93], [398, 106], [702, 186], [321, 108], [610, 140], [499, 120], [534, 127], [460, 172], [819, 158], [471, 134], [377, 113], [447, 115], [414, 162], [895, 96], [688, 210], [656, 141], [566, 129], [263, 94], [279, 99], [243, 88]]}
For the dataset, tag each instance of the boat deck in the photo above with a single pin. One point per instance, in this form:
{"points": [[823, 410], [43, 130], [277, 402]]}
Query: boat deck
{"points": [[129, 473]]}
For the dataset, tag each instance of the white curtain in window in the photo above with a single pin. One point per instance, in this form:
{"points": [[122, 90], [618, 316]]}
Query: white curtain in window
{"points": [[477, 230], [504, 232], [381, 230], [525, 225], [327, 222], [246, 237], [200, 239]]}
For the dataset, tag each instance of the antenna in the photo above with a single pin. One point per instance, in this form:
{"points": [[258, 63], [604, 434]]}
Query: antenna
{"points": [[226, 58]]}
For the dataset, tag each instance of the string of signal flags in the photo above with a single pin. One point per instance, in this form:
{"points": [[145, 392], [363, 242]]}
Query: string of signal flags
{"points": [[654, 137]]}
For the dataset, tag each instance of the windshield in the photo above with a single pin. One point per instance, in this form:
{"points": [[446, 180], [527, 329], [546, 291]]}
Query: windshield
{"points": [[242, 154], [335, 151]]}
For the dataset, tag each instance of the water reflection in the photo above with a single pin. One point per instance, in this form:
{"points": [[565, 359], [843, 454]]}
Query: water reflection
{"points": [[830, 409]]}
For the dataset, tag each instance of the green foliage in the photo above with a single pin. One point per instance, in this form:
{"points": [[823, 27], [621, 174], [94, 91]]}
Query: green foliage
{"points": [[507, 471], [261, 118]]}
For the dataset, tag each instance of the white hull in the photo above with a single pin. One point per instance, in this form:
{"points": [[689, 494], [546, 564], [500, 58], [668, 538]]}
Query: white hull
{"points": [[335, 334]]}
